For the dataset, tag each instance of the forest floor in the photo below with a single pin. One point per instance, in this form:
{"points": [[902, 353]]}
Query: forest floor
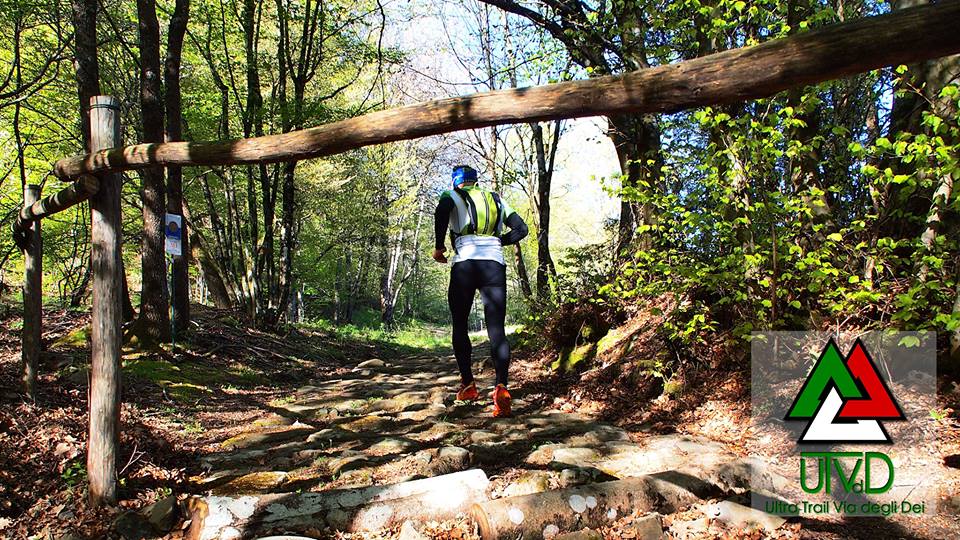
{"points": [[238, 411]]}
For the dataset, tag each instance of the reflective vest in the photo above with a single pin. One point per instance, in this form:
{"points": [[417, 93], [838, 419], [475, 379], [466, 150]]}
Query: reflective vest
{"points": [[476, 211]]}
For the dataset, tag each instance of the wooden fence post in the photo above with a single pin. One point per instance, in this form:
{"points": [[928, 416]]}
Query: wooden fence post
{"points": [[106, 317], [32, 297]]}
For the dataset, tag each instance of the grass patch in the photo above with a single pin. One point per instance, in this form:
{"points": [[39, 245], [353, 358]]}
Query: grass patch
{"points": [[282, 401], [244, 375], [76, 339], [404, 337], [188, 382]]}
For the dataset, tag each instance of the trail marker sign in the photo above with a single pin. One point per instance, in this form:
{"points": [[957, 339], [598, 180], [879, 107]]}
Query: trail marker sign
{"points": [[172, 228]]}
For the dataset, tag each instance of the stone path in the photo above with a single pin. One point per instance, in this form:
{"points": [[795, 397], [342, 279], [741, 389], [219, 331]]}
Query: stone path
{"points": [[387, 423]]}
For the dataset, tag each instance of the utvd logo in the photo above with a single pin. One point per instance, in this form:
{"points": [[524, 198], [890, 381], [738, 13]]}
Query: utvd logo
{"points": [[843, 401], [849, 481]]}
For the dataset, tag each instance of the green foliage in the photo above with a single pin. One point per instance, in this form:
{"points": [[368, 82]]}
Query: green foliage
{"points": [[76, 339], [741, 245], [809, 209], [75, 473], [939, 415], [792, 212], [193, 426]]}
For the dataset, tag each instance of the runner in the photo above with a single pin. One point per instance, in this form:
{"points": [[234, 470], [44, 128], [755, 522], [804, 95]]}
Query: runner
{"points": [[475, 218]]}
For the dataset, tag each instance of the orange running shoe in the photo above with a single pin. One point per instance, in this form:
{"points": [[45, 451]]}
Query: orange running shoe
{"points": [[501, 402], [468, 392]]}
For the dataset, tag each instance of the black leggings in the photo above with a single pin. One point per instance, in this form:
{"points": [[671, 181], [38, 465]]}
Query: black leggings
{"points": [[490, 278]]}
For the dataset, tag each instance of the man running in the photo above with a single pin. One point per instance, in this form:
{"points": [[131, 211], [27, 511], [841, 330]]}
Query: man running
{"points": [[475, 218]]}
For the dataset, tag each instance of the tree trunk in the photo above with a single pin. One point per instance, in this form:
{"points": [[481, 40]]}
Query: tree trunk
{"points": [[737, 205], [388, 267], [546, 270], [253, 126], [154, 322], [87, 66], [918, 93], [876, 196], [955, 335], [88, 85], [346, 315], [938, 207], [288, 230], [415, 262], [211, 270], [79, 293], [180, 293], [127, 312], [805, 170], [211, 276], [522, 275], [637, 142]]}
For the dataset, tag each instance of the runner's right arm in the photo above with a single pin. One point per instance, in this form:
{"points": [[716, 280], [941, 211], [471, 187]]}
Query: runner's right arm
{"points": [[441, 220]]}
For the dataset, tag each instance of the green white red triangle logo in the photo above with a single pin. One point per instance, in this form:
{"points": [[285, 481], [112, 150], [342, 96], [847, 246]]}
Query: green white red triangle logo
{"points": [[844, 399]]}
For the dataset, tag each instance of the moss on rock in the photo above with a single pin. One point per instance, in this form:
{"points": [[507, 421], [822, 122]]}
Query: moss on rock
{"points": [[255, 482], [609, 341], [186, 381], [574, 357], [76, 339]]}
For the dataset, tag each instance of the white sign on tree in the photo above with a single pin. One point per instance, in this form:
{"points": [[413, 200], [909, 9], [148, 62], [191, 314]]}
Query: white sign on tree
{"points": [[172, 233]]}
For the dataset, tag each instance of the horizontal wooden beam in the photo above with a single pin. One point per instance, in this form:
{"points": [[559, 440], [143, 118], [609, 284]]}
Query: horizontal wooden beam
{"points": [[75, 193], [902, 37]]}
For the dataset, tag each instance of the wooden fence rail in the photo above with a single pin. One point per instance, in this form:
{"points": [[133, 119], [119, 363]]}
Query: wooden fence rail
{"points": [[905, 36], [71, 195]]}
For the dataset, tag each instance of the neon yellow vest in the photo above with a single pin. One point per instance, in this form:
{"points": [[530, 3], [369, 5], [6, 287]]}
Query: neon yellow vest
{"points": [[478, 211]]}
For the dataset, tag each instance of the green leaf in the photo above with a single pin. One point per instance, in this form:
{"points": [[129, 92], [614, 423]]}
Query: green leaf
{"points": [[909, 341]]}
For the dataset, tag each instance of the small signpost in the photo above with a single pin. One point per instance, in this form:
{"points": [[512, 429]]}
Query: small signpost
{"points": [[172, 232]]}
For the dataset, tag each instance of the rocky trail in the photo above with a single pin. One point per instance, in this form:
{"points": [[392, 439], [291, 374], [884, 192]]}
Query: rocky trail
{"points": [[386, 448], [313, 435]]}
